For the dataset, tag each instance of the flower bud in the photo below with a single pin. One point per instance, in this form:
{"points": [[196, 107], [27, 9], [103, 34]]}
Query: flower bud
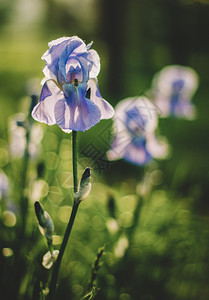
{"points": [[84, 186], [49, 259], [46, 225]]}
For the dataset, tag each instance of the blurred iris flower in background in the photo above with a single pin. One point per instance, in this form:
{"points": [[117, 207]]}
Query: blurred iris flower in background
{"points": [[4, 185], [17, 137], [172, 90], [135, 140], [70, 96]]}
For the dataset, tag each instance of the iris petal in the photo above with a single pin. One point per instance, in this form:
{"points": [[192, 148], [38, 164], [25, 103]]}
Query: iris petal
{"points": [[44, 110], [137, 155], [119, 146], [86, 66], [74, 44], [106, 109], [76, 112], [51, 57], [96, 64], [45, 92]]}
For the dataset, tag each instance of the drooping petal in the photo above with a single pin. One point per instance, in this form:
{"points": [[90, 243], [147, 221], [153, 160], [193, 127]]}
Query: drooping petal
{"points": [[132, 150], [107, 111], [45, 92], [76, 112], [119, 146], [137, 155], [44, 110], [157, 147]]}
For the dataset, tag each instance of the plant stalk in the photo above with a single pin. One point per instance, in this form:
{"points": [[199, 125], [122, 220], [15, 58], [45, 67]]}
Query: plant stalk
{"points": [[53, 282]]}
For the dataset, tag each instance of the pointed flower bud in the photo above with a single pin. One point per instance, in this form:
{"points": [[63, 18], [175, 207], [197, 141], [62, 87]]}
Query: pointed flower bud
{"points": [[46, 225], [84, 186]]}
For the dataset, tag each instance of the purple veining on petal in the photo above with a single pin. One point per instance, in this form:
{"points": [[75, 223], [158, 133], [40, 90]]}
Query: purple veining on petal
{"points": [[51, 57], [45, 92], [135, 123], [44, 110], [66, 53], [76, 112]]}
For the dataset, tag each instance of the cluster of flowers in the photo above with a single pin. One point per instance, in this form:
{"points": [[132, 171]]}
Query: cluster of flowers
{"points": [[71, 99]]}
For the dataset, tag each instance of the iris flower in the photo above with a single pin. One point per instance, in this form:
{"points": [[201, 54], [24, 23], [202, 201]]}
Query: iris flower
{"points": [[17, 137], [135, 122], [173, 88], [70, 96], [4, 185]]}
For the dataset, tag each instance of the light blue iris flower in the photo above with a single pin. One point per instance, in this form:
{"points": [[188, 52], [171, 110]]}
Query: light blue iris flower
{"points": [[70, 96], [135, 122], [172, 90]]}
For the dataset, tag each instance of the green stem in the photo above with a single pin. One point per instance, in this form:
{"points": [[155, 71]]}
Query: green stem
{"points": [[53, 282], [74, 154], [24, 200]]}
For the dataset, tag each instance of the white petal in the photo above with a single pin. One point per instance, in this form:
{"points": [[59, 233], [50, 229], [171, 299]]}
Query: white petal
{"points": [[107, 111], [96, 66], [163, 80], [147, 110], [44, 110], [158, 148], [58, 41]]}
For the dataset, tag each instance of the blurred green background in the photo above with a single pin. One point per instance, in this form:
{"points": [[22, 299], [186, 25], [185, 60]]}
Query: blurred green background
{"points": [[168, 256]]}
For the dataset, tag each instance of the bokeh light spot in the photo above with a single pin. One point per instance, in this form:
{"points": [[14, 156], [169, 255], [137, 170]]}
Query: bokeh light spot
{"points": [[9, 219], [7, 252], [64, 213]]}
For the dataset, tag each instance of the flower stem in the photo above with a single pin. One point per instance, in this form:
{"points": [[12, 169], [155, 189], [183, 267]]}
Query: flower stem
{"points": [[53, 282], [74, 154]]}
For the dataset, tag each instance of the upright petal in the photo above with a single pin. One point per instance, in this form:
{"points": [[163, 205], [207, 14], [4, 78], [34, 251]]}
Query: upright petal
{"points": [[85, 64], [51, 57], [96, 64], [74, 44], [58, 41], [76, 112], [148, 111]]}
